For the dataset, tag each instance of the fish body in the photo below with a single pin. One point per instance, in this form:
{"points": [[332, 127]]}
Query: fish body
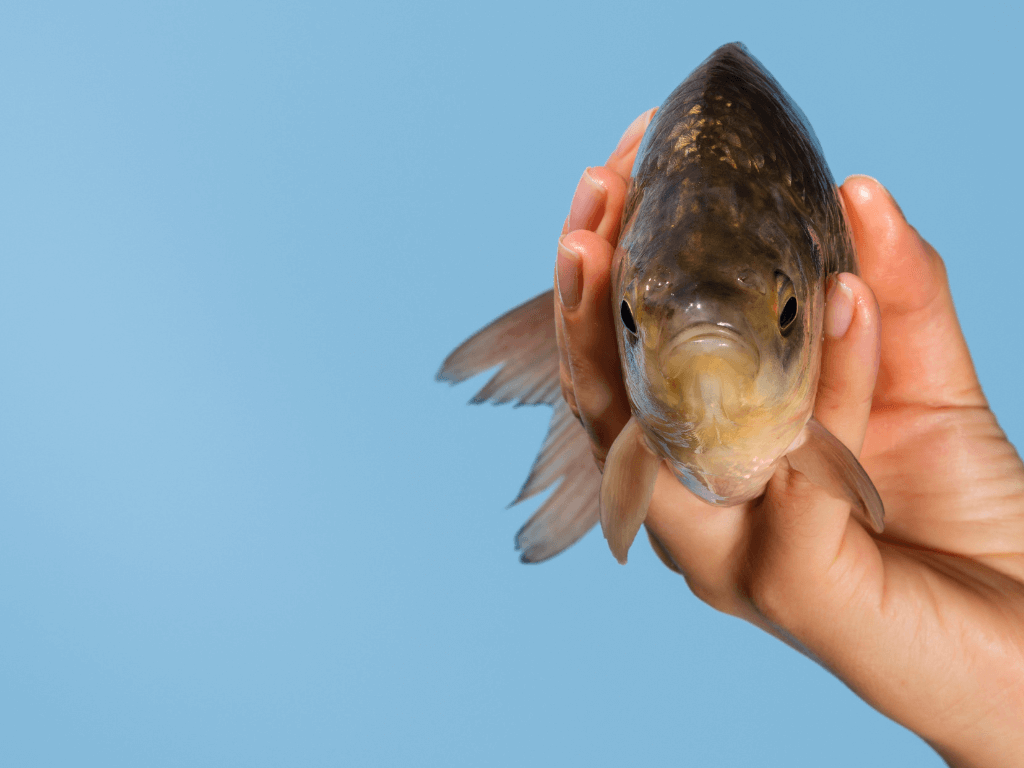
{"points": [[731, 228], [732, 216]]}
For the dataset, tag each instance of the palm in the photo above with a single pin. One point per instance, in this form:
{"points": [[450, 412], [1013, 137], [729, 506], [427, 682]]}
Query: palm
{"points": [[950, 480]]}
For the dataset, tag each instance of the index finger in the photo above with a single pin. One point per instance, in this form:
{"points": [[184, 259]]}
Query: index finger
{"points": [[621, 160]]}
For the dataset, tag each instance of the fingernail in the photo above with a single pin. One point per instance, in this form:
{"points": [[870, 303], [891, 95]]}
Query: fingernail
{"points": [[838, 309], [568, 276], [587, 207], [887, 192], [634, 132]]}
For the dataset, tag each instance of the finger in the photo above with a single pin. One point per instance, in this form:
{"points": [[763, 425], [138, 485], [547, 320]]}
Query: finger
{"points": [[588, 203], [613, 190], [587, 339], [596, 206], [621, 160], [924, 357], [849, 360], [586, 211]]}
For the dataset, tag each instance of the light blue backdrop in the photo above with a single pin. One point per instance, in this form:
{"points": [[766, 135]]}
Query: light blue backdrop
{"points": [[239, 522]]}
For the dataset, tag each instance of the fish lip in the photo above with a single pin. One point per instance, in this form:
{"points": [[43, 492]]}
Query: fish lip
{"points": [[712, 332], [698, 330]]}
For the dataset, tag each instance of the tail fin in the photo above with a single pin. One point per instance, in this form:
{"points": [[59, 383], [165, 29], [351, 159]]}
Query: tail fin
{"points": [[523, 343], [574, 507]]}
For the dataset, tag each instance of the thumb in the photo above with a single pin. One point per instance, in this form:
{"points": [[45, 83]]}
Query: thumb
{"points": [[803, 533]]}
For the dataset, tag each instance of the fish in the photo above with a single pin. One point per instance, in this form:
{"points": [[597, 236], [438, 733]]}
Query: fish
{"points": [[731, 230]]}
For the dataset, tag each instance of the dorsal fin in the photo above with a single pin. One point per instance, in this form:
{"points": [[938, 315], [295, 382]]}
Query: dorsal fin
{"points": [[523, 343]]}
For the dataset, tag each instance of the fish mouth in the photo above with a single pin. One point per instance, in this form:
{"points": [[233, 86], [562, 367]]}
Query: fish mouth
{"points": [[706, 342]]}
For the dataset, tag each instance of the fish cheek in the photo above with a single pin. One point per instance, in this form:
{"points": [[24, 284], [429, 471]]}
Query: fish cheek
{"points": [[633, 364], [792, 345]]}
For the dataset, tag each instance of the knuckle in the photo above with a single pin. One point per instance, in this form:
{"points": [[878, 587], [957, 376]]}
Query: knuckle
{"points": [[773, 590], [763, 585], [835, 393], [569, 395], [767, 595], [595, 398], [720, 597], [597, 446], [568, 391], [703, 592]]}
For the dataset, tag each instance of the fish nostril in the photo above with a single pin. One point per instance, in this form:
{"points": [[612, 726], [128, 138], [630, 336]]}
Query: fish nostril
{"points": [[751, 279]]}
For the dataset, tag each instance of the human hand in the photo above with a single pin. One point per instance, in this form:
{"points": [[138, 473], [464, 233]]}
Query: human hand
{"points": [[925, 622]]}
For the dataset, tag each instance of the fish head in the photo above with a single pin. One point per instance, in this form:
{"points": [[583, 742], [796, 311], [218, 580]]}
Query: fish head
{"points": [[719, 328]]}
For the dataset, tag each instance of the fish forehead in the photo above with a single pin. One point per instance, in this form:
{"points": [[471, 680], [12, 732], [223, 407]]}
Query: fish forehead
{"points": [[717, 239], [729, 159]]}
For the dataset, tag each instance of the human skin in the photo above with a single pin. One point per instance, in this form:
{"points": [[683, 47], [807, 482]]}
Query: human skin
{"points": [[925, 622]]}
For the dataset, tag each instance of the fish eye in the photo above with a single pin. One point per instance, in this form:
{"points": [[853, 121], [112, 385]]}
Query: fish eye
{"points": [[788, 314], [627, 317], [787, 301]]}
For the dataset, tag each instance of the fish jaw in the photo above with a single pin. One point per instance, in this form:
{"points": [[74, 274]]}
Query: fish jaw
{"points": [[720, 438], [721, 450]]}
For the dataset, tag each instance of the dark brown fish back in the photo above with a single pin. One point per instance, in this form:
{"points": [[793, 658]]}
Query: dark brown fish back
{"points": [[730, 125]]}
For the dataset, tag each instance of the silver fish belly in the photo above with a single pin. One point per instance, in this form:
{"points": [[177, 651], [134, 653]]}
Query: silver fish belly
{"points": [[732, 226]]}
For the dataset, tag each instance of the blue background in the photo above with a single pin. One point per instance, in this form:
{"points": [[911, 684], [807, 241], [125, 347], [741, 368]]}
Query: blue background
{"points": [[239, 522]]}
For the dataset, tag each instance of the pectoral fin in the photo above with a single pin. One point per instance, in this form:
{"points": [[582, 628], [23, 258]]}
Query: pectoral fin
{"points": [[626, 488], [829, 464]]}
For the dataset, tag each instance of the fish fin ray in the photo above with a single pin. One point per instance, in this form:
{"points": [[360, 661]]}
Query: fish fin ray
{"points": [[566, 439], [626, 488], [573, 507], [829, 464], [522, 342]]}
